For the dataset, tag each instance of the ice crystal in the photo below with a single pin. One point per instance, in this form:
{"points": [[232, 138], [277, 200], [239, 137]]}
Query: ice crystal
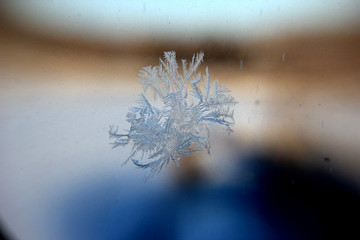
{"points": [[180, 127]]}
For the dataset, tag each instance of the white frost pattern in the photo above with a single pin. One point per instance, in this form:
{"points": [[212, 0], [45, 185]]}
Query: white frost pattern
{"points": [[180, 127]]}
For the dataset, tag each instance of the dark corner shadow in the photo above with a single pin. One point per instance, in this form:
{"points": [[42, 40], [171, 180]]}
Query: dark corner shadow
{"points": [[302, 201], [4, 232]]}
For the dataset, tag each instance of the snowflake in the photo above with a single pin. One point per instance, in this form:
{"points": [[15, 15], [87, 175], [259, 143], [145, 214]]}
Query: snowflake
{"points": [[180, 127]]}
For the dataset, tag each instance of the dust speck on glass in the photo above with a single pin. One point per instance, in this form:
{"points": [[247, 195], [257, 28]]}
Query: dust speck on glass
{"points": [[189, 101]]}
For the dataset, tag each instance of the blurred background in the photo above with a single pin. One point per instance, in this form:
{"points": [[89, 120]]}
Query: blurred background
{"points": [[290, 170]]}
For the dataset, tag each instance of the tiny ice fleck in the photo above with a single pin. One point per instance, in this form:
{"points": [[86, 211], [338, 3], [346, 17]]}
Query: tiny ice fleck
{"points": [[283, 56]]}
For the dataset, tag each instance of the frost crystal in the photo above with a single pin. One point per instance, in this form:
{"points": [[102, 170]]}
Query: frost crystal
{"points": [[190, 102]]}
